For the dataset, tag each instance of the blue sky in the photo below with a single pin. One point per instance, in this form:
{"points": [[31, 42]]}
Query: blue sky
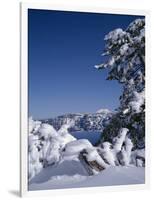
{"points": [[63, 48]]}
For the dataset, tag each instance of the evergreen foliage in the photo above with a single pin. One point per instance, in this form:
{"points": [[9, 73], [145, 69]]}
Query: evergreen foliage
{"points": [[125, 51]]}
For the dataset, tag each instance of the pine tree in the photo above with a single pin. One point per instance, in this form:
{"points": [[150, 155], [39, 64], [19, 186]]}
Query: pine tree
{"points": [[125, 52]]}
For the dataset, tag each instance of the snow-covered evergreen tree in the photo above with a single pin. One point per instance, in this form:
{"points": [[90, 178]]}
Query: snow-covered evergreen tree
{"points": [[125, 51]]}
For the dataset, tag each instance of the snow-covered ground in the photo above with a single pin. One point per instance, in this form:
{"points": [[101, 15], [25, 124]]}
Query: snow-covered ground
{"points": [[71, 174], [57, 160]]}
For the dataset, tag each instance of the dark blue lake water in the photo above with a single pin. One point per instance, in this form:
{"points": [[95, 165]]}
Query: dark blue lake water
{"points": [[92, 136]]}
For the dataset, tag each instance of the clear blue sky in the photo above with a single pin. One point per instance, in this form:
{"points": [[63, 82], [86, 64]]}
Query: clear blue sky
{"points": [[63, 48]]}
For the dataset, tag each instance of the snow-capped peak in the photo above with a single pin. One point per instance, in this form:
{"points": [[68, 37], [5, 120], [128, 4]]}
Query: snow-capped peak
{"points": [[103, 110]]}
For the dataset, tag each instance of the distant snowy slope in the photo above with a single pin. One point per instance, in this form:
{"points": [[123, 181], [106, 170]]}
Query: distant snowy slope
{"points": [[83, 122]]}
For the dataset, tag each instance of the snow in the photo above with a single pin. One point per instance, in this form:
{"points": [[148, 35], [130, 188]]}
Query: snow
{"points": [[75, 147], [118, 141], [139, 153], [92, 155], [103, 110], [54, 160], [137, 101], [46, 131], [45, 145], [59, 160], [76, 177], [114, 35], [120, 151], [124, 48], [132, 26], [126, 152], [33, 125], [64, 129], [108, 154]]}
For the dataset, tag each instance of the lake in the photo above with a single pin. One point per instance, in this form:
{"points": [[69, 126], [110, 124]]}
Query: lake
{"points": [[92, 136]]}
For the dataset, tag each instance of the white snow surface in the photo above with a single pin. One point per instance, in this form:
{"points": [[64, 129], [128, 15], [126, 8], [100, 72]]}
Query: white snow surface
{"points": [[72, 175]]}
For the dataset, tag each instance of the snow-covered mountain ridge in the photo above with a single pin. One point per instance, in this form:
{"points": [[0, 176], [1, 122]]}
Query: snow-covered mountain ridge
{"points": [[82, 122]]}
